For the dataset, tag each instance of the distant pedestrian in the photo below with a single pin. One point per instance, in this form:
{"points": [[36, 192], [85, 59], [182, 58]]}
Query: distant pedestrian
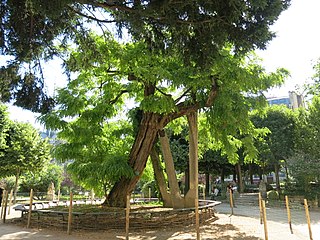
{"points": [[214, 192]]}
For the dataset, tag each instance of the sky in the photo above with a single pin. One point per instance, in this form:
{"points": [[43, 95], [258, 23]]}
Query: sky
{"points": [[297, 45], [296, 48]]}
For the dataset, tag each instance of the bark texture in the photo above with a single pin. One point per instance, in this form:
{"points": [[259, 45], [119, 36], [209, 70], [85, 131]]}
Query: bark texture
{"points": [[192, 194], [137, 159], [177, 200]]}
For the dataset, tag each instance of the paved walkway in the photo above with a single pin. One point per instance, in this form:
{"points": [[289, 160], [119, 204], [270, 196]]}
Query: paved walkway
{"points": [[279, 215]]}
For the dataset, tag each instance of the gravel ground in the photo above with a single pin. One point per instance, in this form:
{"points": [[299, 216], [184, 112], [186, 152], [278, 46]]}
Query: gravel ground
{"points": [[224, 228]]}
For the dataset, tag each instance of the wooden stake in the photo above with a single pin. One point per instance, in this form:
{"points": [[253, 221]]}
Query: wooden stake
{"points": [[127, 216], [231, 200], [265, 220], [204, 193], [70, 214], [289, 214], [5, 207], [30, 208], [2, 202], [10, 201], [308, 217], [196, 203], [260, 208]]}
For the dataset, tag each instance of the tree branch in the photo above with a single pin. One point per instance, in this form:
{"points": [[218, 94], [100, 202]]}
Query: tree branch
{"points": [[183, 95], [91, 17], [166, 94], [113, 101], [186, 107]]}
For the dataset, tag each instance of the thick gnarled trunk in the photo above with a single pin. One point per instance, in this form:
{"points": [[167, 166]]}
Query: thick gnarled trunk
{"points": [[149, 126], [138, 157]]}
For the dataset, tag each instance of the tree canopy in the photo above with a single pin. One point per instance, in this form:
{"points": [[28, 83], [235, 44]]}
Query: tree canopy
{"points": [[32, 30], [23, 149]]}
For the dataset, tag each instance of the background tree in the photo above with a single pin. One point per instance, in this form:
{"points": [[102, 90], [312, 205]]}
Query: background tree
{"points": [[279, 143], [25, 151], [304, 164]]}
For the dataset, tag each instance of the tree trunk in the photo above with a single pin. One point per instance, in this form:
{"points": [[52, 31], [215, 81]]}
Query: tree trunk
{"points": [[222, 175], [177, 200], [138, 157], [16, 187], [160, 178], [192, 194], [207, 184], [240, 182], [276, 171], [250, 173], [234, 175]]}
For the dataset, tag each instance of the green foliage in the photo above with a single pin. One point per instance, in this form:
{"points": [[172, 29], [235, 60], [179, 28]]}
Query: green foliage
{"points": [[304, 164], [99, 154], [4, 124], [313, 88], [24, 149], [30, 30], [279, 143]]}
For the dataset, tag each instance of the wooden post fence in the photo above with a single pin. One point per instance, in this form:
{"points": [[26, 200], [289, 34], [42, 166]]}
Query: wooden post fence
{"points": [[127, 216], [231, 200], [2, 203], [196, 209], [70, 214], [5, 206], [260, 208], [204, 193], [265, 220], [308, 217], [30, 208], [289, 214], [10, 201]]}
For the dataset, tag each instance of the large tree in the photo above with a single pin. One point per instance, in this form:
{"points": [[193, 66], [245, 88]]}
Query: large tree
{"points": [[165, 89], [24, 150], [195, 47]]}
